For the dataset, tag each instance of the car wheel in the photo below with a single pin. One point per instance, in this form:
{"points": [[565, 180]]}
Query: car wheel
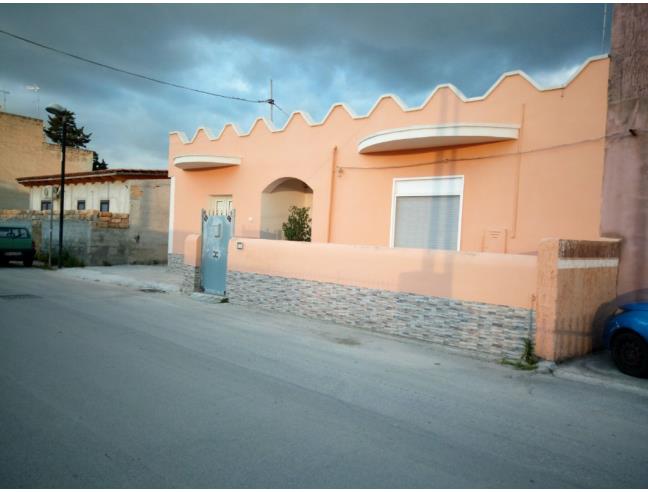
{"points": [[630, 354], [28, 261]]}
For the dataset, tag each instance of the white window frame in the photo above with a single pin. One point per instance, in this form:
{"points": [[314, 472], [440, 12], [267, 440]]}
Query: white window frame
{"points": [[459, 177]]}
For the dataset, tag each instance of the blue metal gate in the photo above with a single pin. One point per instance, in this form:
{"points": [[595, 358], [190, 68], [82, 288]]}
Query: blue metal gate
{"points": [[216, 233]]}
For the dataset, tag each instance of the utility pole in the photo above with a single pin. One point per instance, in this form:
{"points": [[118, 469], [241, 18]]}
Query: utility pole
{"points": [[60, 111], [4, 99], [53, 194], [62, 195]]}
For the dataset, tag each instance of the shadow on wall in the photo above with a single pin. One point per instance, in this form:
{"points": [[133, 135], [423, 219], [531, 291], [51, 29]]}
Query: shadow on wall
{"points": [[434, 222], [276, 200], [12, 198], [442, 274]]}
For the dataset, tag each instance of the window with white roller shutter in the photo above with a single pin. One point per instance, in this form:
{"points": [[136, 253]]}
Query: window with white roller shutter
{"points": [[426, 213]]}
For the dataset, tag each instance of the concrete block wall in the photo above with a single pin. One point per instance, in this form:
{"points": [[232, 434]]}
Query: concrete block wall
{"points": [[77, 237], [149, 220], [96, 238]]}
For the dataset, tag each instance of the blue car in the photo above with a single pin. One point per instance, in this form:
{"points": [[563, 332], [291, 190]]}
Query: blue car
{"points": [[626, 336]]}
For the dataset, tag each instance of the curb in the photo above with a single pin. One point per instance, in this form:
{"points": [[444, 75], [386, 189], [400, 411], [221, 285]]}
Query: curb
{"points": [[123, 281], [600, 381], [208, 298]]}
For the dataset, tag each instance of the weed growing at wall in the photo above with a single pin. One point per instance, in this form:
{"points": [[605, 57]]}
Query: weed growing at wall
{"points": [[527, 361], [69, 260]]}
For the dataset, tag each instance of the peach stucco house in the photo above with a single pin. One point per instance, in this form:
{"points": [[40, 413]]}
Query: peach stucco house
{"points": [[525, 163], [447, 201]]}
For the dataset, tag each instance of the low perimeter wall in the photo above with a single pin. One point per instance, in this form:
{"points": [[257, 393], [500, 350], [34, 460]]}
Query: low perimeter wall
{"points": [[485, 302], [475, 301]]}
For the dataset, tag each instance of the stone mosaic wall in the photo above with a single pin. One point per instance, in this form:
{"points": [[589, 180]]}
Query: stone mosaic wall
{"points": [[491, 330], [190, 274], [190, 279], [175, 263]]}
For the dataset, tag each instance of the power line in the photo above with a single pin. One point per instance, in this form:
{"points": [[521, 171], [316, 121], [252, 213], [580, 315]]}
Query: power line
{"points": [[133, 74]]}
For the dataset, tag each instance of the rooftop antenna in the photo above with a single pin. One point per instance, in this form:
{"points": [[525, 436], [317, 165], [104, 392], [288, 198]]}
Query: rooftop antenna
{"points": [[4, 99], [271, 102], [34, 88]]}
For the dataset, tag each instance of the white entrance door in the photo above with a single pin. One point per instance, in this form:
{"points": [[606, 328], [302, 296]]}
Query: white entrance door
{"points": [[220, 205]]}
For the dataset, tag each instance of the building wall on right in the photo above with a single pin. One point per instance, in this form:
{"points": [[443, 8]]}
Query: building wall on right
{"points": [[624, 211]]}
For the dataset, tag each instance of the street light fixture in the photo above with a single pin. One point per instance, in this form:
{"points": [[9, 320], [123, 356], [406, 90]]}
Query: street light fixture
{"points": [[58, 110]]}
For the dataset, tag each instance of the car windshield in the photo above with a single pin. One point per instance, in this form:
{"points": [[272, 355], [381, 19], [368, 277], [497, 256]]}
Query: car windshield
{"points": [[14, 232]]}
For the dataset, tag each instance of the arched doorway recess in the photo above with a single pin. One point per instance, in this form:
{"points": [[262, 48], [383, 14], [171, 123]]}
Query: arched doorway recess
{"points": [[276, 200]]}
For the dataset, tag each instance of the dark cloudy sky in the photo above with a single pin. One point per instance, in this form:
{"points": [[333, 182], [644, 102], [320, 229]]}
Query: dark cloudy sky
{"points": [[316, 54]]}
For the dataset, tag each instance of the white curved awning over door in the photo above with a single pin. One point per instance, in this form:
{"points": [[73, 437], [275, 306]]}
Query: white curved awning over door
{"points": [[195, 162], [431, 136]]}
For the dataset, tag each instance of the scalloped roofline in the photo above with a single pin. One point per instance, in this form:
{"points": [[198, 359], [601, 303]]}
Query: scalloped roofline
{"points": [[307, 118]]}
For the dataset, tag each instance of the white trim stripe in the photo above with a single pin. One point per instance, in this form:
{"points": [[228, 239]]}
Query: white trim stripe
{"points": [[564, 263], [307, 118]]}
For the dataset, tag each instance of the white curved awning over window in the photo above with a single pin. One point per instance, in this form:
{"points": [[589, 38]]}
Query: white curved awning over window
{"points": [[431, 136], [195, 162]]}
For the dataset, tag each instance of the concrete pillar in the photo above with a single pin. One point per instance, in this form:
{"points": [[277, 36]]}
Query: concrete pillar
{"points": [[576, 291]]}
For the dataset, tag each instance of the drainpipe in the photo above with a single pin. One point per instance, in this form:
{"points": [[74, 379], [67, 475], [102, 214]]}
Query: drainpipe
{"points": [[516, 191], [331, 193]]}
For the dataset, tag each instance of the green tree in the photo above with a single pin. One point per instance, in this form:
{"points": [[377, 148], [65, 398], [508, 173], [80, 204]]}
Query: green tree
{"points": [[74, 137], [298, 226], [96, 165]]}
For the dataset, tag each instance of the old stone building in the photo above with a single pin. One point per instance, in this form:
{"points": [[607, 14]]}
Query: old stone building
{"points": [[112, 216], [25, 152]]}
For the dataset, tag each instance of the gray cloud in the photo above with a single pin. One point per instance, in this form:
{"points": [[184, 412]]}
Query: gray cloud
{"points": [[317, 55]]}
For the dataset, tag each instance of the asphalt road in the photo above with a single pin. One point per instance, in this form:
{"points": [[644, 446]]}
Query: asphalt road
{"points": [[104, 386]]}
